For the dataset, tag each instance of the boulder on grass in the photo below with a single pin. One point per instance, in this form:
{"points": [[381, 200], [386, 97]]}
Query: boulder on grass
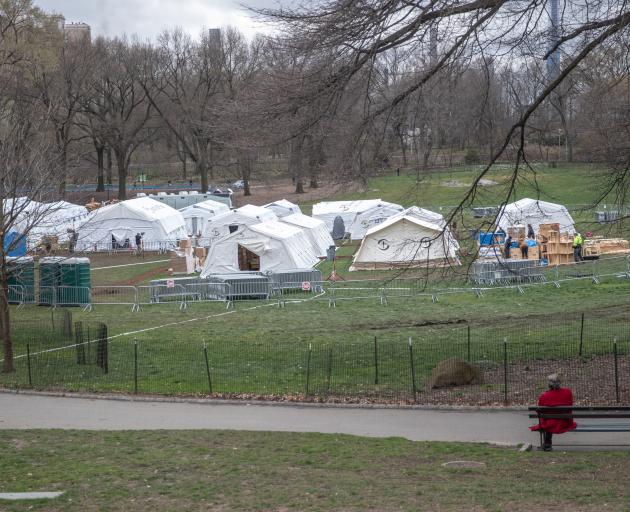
{"points": [[455, 372]]}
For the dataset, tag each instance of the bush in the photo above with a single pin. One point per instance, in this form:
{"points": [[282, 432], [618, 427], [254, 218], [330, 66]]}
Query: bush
{"points": [[471, 156]]}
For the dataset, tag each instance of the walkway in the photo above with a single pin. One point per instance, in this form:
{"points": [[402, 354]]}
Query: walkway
{"points": [[25, 411]]}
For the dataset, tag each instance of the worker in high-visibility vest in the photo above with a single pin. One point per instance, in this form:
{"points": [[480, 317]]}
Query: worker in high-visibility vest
{"points": [[578, 241]]}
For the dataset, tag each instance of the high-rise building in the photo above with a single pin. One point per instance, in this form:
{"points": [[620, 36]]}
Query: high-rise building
{"points": [[77, 32]]}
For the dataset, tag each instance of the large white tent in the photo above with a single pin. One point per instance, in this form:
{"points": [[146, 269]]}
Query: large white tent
{"points": [[59, 217], [197, 215], [226, 223], [412, 238], [116, 225], [315, 230], [269, 247], [531, 211], [282, 208], [358, 216]]}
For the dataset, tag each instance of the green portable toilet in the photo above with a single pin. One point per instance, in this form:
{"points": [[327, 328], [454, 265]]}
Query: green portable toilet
{"points": [[21, 279], [49, 279], [75, 285]]}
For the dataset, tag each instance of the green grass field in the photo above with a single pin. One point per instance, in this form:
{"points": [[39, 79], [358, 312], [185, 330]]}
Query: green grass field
{"points": [[201, 470]]}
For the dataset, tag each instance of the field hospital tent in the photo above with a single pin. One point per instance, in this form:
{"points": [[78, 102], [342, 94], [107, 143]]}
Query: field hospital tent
{"points": [[268, 247], [315, 230], [58, 219], [226, 223], [197, 215], [358, 216], [530, 211], [409, 239], [282, 208], [116, 225]]}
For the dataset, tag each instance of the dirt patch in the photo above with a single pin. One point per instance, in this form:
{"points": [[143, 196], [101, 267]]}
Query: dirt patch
{"points": [[141, 278]]}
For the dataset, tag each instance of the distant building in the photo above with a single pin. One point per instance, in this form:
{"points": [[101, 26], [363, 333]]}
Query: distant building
{"points": [[77, 32], [214, 35]]}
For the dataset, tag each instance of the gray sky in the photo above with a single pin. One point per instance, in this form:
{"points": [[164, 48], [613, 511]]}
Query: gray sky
{"points": [[147, 18]]}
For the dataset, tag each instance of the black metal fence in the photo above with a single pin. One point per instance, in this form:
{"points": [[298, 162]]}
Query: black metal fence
{"points": [[591, 353]]}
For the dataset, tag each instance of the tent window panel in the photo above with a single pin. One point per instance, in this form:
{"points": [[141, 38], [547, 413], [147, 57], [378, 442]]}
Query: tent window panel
{"points": [[233, 228], [247, 260]]}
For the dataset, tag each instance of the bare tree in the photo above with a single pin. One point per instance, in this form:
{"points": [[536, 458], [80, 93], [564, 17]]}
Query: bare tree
{"points": [[119, 106], [26, 166]]}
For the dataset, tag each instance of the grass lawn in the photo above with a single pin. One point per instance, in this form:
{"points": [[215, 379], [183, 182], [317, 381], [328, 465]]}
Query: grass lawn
{"points": [[217, 470], [265, 350]]}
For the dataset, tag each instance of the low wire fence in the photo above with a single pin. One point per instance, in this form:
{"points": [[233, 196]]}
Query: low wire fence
{"points": [[465, 364]]}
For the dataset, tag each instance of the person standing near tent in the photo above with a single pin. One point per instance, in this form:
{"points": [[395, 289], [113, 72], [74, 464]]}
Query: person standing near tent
{"points": [[530, 232], [578, 241], [506, 248], [555, 396], [138, 243]]}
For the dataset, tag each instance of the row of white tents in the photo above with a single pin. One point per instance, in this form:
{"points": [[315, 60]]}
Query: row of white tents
{"points": [[278, 236]]}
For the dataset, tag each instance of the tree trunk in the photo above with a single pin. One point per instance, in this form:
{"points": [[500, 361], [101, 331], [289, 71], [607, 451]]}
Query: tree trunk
{"points": [[246, 190], [5, 323], [100, 159], [313, 183], [201, 167], [63, 171], [184, 169], [122, 177], [108, 167], [299, 186]]}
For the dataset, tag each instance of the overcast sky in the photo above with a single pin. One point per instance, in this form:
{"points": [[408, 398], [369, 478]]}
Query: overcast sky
{"points": [[147, 18]]}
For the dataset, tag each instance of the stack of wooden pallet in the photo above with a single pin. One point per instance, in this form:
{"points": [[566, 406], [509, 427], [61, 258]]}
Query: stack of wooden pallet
{"points": [[597, 246], [556, 247]]}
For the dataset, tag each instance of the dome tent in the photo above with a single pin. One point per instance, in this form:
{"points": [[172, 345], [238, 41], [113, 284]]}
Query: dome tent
{"points": [[282, 208], [358, 216], [226, 223], [267, 247], [412, 238], [531, 211], [197, 215], [120, 222], [315, 230]]}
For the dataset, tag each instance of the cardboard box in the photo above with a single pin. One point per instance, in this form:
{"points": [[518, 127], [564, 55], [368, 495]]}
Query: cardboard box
{"points": [[515, 253], [200, 252], [185, 244]]}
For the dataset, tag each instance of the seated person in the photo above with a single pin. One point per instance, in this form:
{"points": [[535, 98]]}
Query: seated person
{"points": [[554, 397]]}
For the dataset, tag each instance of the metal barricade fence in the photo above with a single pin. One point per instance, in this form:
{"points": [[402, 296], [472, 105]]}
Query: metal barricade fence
{"points": [[21, 294], [208, 291], [73, 296], [161, 293], [123, 295]]}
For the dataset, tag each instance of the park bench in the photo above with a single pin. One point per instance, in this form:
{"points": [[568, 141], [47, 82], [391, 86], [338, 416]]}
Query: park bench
{"points": [[607, 417]]}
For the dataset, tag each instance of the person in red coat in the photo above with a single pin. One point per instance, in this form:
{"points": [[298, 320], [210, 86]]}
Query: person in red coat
{"points": [[554, 397]]}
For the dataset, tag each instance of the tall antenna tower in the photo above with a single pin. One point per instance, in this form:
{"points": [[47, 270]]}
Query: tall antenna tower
{"points": [[553, 61]]}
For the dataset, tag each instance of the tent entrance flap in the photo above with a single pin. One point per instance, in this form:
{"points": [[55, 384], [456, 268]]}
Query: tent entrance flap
{"points": [[247, 260]]}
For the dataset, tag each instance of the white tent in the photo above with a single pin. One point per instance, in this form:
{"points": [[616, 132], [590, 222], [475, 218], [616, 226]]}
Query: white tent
{"points": [[226, 223], [358, 216], [160, 225], [530, 211], [315, 230], [282, 208], [407, 240], [197, 215], [268, 246], [58, 218]]}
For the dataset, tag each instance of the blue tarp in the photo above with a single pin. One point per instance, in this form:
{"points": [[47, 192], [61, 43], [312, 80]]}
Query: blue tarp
{"points": [[15, 244]]}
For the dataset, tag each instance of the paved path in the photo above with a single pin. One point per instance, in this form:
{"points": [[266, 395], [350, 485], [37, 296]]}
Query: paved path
{"points": [[23, 411]]}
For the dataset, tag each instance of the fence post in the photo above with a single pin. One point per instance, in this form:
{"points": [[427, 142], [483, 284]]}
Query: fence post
{"points": [[375, 361], [616, 369], [581, 335], [135, 366], [413, 370], [329, 372], [28, 362], [505, 376], [468, 340], [308, 366], [205, 354]]}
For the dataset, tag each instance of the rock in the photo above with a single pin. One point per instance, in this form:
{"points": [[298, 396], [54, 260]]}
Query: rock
{"points": [[455, 372]]}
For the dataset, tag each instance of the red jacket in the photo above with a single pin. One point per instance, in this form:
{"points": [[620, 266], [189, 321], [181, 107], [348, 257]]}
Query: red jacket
{"points": [[554, 398]]}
